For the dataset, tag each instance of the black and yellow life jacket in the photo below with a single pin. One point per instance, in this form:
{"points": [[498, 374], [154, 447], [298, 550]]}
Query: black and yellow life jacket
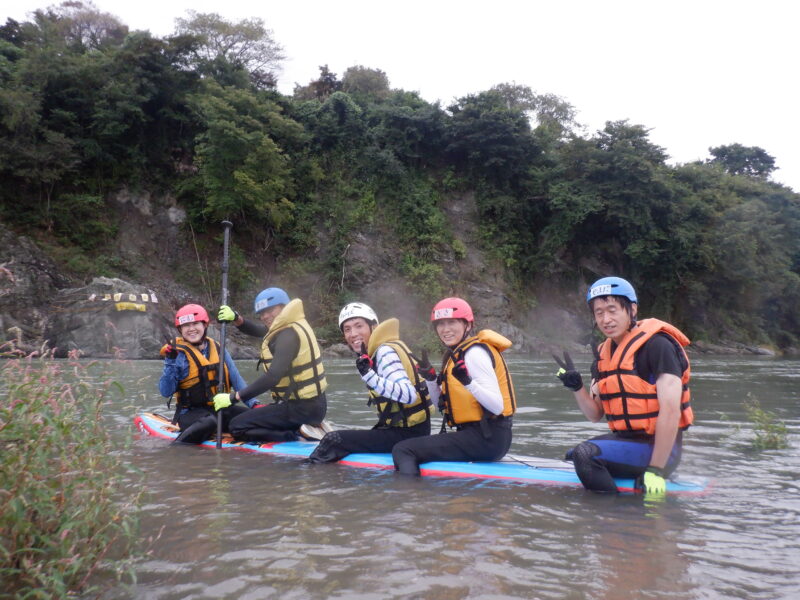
{"points": [[390, 412], [460, 405], [200, 385], [306, 376]]}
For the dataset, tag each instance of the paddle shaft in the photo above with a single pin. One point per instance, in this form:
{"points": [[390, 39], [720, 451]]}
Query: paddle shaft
{"points": [[226, 225]]}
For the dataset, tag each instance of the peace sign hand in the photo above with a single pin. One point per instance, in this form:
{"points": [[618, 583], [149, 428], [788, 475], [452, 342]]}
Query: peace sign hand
{"points": [[363, 361], [425, 368], [169, 350], [568, 375]]}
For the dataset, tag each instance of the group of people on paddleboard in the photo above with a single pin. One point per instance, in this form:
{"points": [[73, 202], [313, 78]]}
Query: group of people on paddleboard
{"points": [[639, 383]]}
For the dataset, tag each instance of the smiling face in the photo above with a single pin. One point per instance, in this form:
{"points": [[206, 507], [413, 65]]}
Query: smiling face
{"points": [[612, 318], [451, 331], [356, 332], [267, 316], [193, 332]]}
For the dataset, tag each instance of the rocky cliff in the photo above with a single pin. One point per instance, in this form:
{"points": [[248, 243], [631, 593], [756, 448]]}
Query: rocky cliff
{"points": [[43, 307]]}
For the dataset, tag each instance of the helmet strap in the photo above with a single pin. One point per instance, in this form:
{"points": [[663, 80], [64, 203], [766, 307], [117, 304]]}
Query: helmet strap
{"points": [[467, 331], [632, 314]]}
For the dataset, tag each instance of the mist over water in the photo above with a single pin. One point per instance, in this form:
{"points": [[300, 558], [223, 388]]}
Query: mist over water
{"points": [[236, 525]]}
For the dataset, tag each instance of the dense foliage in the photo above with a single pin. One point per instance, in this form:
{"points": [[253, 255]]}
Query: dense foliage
{"points": [[87, 106], [68, 505]]}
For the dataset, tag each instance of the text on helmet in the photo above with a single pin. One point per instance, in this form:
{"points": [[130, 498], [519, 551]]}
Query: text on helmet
{"points": [[601, 290]]}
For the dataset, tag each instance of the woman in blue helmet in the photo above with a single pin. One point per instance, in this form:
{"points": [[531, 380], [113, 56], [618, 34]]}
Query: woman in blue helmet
{"points": [[640, 384], [291, 359]]}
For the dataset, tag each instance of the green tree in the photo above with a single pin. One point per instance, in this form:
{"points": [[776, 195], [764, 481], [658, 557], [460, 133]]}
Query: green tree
{"points": [[743, 160], [337, 124], [141, 116], [550, 113], [364, 84], [319, 89], [244, 170], [612, 201], [489, 140], [230, 51], [407, 127]]}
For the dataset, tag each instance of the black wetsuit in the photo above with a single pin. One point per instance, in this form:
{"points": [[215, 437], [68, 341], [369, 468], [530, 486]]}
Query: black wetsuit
{"points": [[468, 443], [277, 422]]}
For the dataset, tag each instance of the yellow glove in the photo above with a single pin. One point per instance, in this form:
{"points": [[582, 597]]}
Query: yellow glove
{"points": [[652, 482], [226, 314], [222, 401]]}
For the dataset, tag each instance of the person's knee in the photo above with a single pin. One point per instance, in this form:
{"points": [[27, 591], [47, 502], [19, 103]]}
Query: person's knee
{"points": [[197, 432], [237, 427], [592, 472], [583, 453], [405, 461], [400, 449]]}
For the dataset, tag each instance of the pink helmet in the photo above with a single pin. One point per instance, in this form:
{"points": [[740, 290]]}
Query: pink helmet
{"points": [[452, 308], [189, 314]]}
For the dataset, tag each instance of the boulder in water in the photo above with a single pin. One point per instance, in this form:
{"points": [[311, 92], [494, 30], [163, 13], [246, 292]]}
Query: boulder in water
{"points": [[109, 318]]}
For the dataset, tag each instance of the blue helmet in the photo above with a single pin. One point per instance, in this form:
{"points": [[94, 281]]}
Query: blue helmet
{"points": [[270, 297], [611, 286]]}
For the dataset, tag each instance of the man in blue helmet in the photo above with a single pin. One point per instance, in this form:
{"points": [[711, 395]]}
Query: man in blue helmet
{"points": [[292, 361], [640, 384]]}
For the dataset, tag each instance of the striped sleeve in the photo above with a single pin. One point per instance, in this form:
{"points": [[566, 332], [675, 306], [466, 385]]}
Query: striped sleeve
{"points": [[389, 378]]}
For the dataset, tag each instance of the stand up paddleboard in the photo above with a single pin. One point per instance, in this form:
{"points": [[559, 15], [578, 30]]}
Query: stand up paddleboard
{"points": [[517, 469]]}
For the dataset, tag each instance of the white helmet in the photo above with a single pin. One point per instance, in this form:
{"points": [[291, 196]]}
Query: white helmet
{"points": [[357, 309]]}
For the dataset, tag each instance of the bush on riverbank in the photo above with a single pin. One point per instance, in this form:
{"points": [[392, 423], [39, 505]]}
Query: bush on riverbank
{"points": [[64, 514], [768, 432]]}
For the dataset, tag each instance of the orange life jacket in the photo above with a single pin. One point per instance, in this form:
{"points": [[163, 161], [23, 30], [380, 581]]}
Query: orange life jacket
{"points": [[630, 402], [200, 385], [461, 405]]}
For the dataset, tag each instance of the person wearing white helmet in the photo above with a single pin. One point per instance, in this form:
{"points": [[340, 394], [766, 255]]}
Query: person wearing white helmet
{"points": [[398, 393], [294, 373], [640, 384]]}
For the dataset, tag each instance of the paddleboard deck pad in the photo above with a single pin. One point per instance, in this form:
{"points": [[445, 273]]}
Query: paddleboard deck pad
{"points": [[511, 468]]}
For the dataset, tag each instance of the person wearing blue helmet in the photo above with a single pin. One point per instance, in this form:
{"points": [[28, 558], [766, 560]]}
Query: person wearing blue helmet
{"points": [[293, 371], [640, 384]]}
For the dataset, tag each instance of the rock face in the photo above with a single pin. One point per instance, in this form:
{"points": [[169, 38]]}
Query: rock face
{"points": [[108, 318], [28, 279], [112, 317]]}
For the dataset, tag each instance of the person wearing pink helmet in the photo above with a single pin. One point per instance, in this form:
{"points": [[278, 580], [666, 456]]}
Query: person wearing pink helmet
{"points": [[473, 390], [191, 362]]}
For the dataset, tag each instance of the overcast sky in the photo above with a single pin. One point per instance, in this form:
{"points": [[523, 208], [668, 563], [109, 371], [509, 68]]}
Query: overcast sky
{"points": [[698, 73]]}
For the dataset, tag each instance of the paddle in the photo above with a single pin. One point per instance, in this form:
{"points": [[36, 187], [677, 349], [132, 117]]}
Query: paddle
{"points": [[221, 369]]}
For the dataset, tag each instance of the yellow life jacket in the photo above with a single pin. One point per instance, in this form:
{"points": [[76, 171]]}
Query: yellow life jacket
{"points": [[631, 403], [200, 385], [390, 412], [461, 405], [306, 376]]}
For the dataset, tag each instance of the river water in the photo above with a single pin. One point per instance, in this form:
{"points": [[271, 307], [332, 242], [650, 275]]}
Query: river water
{"points": [[237, 525]]}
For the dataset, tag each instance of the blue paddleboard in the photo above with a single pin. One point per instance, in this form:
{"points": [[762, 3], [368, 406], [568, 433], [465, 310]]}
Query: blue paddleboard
{"points": [[511, 468]]}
